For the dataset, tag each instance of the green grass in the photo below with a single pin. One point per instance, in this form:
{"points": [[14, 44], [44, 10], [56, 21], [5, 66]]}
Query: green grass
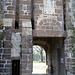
{"points": [[38, 62]]}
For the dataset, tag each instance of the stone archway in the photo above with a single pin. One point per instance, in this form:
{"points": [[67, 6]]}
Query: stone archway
{"points": [[44, 44], [54, 54]]}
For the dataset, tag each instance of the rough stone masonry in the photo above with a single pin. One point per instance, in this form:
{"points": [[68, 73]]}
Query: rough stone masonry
{"points": [[47, 23]]}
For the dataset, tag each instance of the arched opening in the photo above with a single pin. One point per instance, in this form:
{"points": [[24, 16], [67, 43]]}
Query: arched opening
{"points": [[39, 60], [54, 50]]}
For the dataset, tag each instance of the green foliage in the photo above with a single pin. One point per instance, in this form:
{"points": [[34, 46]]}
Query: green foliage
{"points": [[20, 46], [73, 45], [20, 53], [38, 62], [1, 36], [20, 50], [1, 24], [73, 50], [74, 68], [73, 38], [38, 54]]}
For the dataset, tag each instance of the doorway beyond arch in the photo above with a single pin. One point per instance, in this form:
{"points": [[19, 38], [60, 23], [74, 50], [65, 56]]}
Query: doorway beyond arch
{"points": [[39, 60]]}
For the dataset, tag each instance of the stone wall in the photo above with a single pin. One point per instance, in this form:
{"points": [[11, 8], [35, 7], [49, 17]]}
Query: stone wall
{"points": [[15, 48], [52, 21], [73, 36], [68, 40], [5, 43], [73, 13], [16, 44], [1, 9], [48, 24]]}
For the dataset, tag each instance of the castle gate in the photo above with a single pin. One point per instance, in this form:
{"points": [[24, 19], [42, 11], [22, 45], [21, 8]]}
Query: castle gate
{"points": [[25, 23]]}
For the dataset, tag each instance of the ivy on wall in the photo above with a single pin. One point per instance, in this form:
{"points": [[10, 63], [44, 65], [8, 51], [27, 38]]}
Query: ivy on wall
{"points": [[1, 14], [73, 46], [1, 24], [73, 40], [1, 19]]}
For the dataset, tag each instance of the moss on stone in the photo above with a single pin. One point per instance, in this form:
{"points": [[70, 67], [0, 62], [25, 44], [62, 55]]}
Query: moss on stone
{"points": [[20, 53], [20, 45], [73, 46], [1, 24]]}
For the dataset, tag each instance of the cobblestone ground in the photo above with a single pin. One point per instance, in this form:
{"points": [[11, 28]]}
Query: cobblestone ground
{"points": [[39, 68]]}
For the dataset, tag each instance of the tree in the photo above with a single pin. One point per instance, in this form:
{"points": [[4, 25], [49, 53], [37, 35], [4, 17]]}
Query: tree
{"points": [[37, 50]]}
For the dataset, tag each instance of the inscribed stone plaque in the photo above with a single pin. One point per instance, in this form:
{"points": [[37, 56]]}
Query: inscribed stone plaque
{"points": [[49, 7]]}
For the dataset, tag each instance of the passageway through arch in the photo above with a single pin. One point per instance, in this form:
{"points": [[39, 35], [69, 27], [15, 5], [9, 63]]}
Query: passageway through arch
{"points": [[54, 49], [39, 60]]}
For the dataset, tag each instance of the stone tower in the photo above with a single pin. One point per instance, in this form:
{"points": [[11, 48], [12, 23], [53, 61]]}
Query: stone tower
{"points": [[24, 23]]}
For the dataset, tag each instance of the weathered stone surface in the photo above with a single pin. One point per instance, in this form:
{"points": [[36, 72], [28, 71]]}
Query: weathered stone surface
{"points": [[7, 22], [26, 31], [7, 44], [16, 45], [49, 32], [12, 16], [26, 24]]}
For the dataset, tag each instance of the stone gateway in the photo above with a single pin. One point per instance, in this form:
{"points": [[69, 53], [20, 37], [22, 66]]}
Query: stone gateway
{"points": [[47, 23]]}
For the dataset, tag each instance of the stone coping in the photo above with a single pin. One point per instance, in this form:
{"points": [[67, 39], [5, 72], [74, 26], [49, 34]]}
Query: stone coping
{"points": [[49, 33]]}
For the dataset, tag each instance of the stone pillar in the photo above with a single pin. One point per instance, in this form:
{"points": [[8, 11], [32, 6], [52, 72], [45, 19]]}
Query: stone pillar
{"points": [[25, 23], [26, 60], [68, 56], [61, 60], [57, 56]]}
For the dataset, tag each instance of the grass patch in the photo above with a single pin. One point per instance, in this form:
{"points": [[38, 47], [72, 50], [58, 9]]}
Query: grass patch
{"points": [[38, 62]]}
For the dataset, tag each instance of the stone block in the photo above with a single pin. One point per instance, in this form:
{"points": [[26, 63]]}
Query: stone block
{"points": [[58, 11], [38, 1], [16, 48], [7, 44], [26, 24], [7, 3], [6, 56], [10, 8], [26, 71], [7, 51], [7, 34], [37, 11], [27, 51], [59, 3], [25, 17], [24, 56], [26, 31], [41, 23], [23, 39], [24, 66], [12, 16]]}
